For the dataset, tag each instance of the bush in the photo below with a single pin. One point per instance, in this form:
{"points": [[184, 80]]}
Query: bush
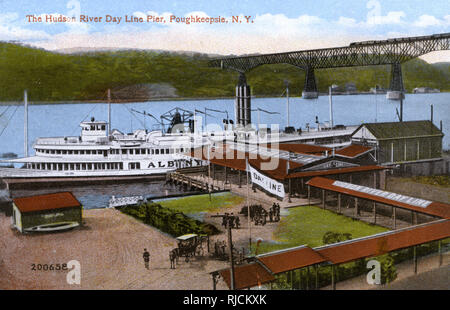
{"points": [[169, 221], [333, 237], [388, 270]]}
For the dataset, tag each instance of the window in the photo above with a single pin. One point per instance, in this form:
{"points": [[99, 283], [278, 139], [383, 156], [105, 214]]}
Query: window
{"points": [[133, 166], [103, 127], [124, 152], [58, 152], [88, 152], [82, 152], [157, 151]]}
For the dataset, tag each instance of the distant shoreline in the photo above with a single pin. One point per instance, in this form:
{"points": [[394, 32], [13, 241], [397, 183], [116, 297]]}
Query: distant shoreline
{"points": [[31, 102]]}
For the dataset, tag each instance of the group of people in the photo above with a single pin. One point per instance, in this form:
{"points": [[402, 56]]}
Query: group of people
{"points": [[274, 212], [220, 248], [260, 215], [221, 252], [230, 220]]}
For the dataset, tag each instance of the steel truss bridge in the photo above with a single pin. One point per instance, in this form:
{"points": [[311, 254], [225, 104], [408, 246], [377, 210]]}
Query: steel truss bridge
{"points": [[392, 52]]}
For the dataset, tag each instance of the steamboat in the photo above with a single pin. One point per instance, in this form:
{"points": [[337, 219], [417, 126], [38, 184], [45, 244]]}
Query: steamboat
{"points": [[101, 152]]}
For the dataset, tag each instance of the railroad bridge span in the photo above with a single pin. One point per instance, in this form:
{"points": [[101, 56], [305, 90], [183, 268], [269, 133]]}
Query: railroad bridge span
{"points": [[392, 52]]}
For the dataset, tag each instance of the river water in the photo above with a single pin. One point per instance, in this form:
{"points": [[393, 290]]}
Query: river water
{"points": [[64, 119], [49, 120]]}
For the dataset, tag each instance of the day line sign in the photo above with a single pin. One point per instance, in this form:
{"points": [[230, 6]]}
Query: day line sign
{"points": [[270, 185]]}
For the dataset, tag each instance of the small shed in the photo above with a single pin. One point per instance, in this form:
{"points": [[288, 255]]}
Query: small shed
{"points": [[45, 213]]}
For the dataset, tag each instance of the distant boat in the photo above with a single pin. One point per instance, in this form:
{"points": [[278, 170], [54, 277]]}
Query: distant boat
{"points": [[116, 202], [425, 90]]}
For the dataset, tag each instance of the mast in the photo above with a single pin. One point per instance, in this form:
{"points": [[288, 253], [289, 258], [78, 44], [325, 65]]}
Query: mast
{"points": [[249, 223], [331, 107], [25, 120], [287, 102], [109, 112]]}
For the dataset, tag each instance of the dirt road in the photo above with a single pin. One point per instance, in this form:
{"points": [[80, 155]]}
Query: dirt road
{"points": [[109, 248]]}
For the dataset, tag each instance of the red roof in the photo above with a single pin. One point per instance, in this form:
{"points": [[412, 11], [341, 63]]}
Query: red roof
{"points": [[302, 148], [353, 151], [338, 253], [290, 259], [246, 276], [232, 158], [335, 171], [435, 208], [46, 202], [385, 242]]}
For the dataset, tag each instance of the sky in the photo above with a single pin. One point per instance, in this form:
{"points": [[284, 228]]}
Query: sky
{"points": [[271, 26]]}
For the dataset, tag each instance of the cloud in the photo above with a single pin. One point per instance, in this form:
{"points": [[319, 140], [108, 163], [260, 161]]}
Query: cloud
{"points": [[429, 20], [10, 29], [347, 22], [392, 18], [8, 17]]}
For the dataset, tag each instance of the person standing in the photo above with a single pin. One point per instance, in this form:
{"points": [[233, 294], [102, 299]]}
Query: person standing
{"points": [[172, 257], [231, 220], [237, 221], [146, 257]]}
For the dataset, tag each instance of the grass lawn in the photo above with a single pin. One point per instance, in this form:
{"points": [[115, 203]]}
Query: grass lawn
{"points": [[201, 203], [307, 225], [439, 180]]}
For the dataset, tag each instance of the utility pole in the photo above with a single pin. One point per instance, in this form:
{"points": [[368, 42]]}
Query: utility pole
{"points": [[228, 219], [230, 249]]}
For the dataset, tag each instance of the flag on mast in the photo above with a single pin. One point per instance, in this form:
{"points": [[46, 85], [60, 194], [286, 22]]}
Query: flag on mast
{"points": [[268, 184]]}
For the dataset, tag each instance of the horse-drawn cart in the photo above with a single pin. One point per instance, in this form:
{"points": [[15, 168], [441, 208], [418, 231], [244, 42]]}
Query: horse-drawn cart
{"points": [[190, 245]]}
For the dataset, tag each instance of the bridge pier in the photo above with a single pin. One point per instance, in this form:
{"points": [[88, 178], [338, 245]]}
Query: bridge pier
{"points": [[242, 103], [396, 88], [310, 90]]}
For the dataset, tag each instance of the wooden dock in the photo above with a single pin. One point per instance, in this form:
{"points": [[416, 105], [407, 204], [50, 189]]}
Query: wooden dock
{"points": [[183, 179]]}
